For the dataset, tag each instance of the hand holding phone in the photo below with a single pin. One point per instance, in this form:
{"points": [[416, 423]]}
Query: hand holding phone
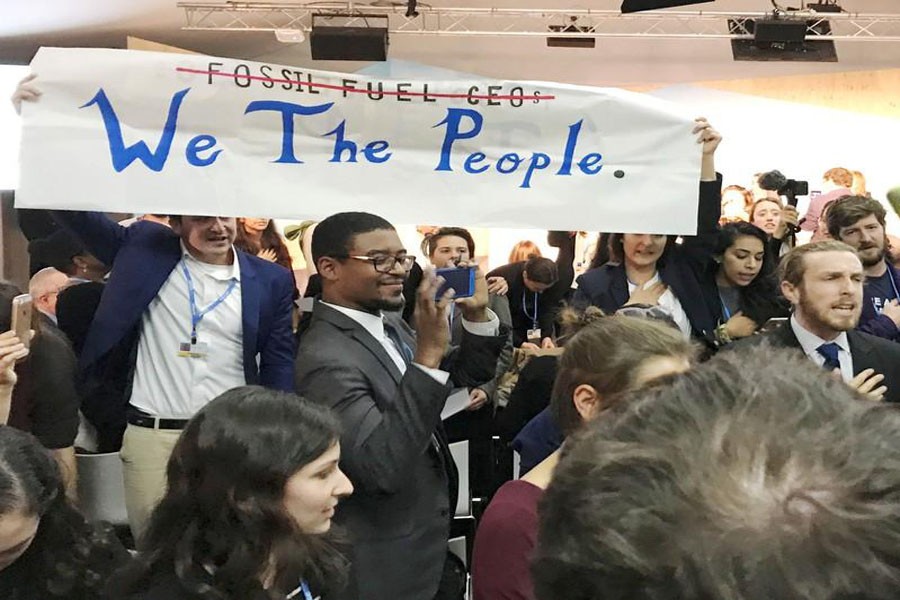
{"points": [[22, 313], [461, 279]]}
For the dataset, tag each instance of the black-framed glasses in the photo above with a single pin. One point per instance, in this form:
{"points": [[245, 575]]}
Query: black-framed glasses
{"points": [[384, 263]]}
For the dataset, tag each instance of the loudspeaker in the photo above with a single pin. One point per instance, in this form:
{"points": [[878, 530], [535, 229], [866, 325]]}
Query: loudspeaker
{"points": [[348, 43], [630, 6], [779, 30]]}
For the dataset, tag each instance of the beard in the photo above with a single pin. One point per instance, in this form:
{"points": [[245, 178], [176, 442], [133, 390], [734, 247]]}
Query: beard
{"points": [[871, 256], [824, 316], [384, 304]]}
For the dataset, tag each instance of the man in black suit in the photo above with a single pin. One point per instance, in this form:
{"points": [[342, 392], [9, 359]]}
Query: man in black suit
{"points": [[388, 385], [824, 283]]}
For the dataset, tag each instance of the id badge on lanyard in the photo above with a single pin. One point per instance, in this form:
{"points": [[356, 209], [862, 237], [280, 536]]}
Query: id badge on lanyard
{"points": [[194, 348], [533, 335]]}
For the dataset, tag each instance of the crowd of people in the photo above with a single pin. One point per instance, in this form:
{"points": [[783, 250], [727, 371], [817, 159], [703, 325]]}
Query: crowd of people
{"points": [[703, 417]]}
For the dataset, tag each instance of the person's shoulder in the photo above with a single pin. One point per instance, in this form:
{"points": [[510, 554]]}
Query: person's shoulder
{"points": [[598, 275], [267, 269], [513, 507], [886, 348]]}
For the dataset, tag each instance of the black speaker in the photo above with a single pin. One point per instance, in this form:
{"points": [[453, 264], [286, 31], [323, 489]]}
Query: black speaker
{"points": [[630, 6], [348, 43], [779, 30]]}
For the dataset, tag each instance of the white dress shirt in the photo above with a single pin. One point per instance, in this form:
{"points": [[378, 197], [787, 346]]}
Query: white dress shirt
{"points": [[668, 302], [374, 324], [810, 343], [169, 385]]}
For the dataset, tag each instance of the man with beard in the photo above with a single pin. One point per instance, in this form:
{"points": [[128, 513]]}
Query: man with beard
{"points": [[824, 283], [388, 384], [859, 222]]}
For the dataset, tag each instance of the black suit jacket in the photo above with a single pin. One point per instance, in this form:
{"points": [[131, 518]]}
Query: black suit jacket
{"points": [[868, 352], [399, 515]]}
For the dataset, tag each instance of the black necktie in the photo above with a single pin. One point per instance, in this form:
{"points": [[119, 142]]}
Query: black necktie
{"points": [[830, 352]]}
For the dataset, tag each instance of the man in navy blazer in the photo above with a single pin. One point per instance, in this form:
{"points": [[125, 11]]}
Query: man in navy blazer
{"points": [[186, 316]]}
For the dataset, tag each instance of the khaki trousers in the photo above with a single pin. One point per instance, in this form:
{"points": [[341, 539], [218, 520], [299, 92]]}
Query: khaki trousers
{"points": [[145, 454]]}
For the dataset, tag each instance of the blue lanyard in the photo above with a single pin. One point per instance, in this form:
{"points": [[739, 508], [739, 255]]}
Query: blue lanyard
{"points": [[534, 317], [725, 311], [893, 285], [197, 314], [307, 595]]}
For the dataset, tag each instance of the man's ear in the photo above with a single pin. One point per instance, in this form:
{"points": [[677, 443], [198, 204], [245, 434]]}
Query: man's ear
{"points": [[586, 401], [791, 292], [328, 268]]}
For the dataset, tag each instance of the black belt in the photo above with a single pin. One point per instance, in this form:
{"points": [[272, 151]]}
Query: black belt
{"points": [[140, 419]]}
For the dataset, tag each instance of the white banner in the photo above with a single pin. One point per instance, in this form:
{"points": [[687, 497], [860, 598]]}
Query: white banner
{"points": [[131, 131]]}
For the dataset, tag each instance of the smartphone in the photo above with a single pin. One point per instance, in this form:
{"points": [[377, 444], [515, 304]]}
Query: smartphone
{"points": [[461, 279], [22, 306]]}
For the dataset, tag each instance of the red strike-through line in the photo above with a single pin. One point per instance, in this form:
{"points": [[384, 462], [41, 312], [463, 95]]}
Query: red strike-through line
{"points": [[358, 91]]}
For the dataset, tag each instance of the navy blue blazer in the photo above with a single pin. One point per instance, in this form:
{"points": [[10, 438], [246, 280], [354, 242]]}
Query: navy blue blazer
{"points": [[143, 255], [607, 286]]}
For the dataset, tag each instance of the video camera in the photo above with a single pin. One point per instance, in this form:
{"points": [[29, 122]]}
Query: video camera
{"points": [[774, 181]]}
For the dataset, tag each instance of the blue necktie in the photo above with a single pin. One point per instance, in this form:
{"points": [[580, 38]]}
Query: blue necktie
{"points": [[830, 352]]}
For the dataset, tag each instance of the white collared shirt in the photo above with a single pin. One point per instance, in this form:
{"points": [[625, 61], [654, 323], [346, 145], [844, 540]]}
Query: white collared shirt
{"points": [[167, 385], [810, 343], [668, 302], [374, 324]]}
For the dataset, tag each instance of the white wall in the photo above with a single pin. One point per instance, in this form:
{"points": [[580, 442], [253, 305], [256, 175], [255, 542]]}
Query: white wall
{"points": [[10, 127]]}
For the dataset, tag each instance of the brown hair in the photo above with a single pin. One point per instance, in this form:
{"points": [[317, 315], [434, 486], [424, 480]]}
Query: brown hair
{"points": [[605, 354], [751, 213], [840, 176], [617, 250], [846, 211], [793, 266]]}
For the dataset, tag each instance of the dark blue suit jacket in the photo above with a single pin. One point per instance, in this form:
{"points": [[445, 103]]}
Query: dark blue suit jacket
{"points": [[607, 286], [874, 323], [142, 257]]}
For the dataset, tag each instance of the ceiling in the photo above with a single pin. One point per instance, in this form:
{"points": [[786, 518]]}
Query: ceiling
{"points": [[26, 25]]}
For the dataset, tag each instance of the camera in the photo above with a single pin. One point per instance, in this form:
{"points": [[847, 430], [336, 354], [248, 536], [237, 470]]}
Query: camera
{"points": [[775, 181]]}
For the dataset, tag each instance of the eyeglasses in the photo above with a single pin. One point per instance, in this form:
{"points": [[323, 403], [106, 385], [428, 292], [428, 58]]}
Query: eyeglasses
{"points": [[385, 263]]}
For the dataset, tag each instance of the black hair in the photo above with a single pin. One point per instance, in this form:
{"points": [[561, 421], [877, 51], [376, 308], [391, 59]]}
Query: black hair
{"points": [[68, 557], [57, 250], [222, 523], [760, 300], [334, 236], [541, 270]]}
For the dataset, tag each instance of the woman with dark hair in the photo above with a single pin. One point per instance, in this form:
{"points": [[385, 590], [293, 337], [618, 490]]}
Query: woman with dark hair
{"points": [[648, 268], [47, 549], [607, 357], [260, 238], [252, 486], [740, 282]]}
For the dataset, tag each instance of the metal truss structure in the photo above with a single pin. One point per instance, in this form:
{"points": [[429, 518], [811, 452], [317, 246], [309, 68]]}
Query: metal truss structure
{"points": [[499, 22]]}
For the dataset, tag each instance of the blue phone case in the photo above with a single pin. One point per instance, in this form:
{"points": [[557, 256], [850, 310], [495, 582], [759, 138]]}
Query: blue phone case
{"points": [[462, 280]]}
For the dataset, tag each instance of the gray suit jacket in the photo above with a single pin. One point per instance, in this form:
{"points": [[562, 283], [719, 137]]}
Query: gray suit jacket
{"points": [[399, 515], [868, 352]]}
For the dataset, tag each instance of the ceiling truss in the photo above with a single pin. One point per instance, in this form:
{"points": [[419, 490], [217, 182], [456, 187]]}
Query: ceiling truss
{"points": [[499, 22]]}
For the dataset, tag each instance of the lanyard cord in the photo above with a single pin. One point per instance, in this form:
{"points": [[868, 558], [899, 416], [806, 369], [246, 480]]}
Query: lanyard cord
{"points": [[197, 314], [534, 317]]}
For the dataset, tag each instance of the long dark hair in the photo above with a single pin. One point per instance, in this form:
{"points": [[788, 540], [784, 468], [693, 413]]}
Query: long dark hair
{"points": [[68, 558], [760, 300], [269, 240], [222, 524]]}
